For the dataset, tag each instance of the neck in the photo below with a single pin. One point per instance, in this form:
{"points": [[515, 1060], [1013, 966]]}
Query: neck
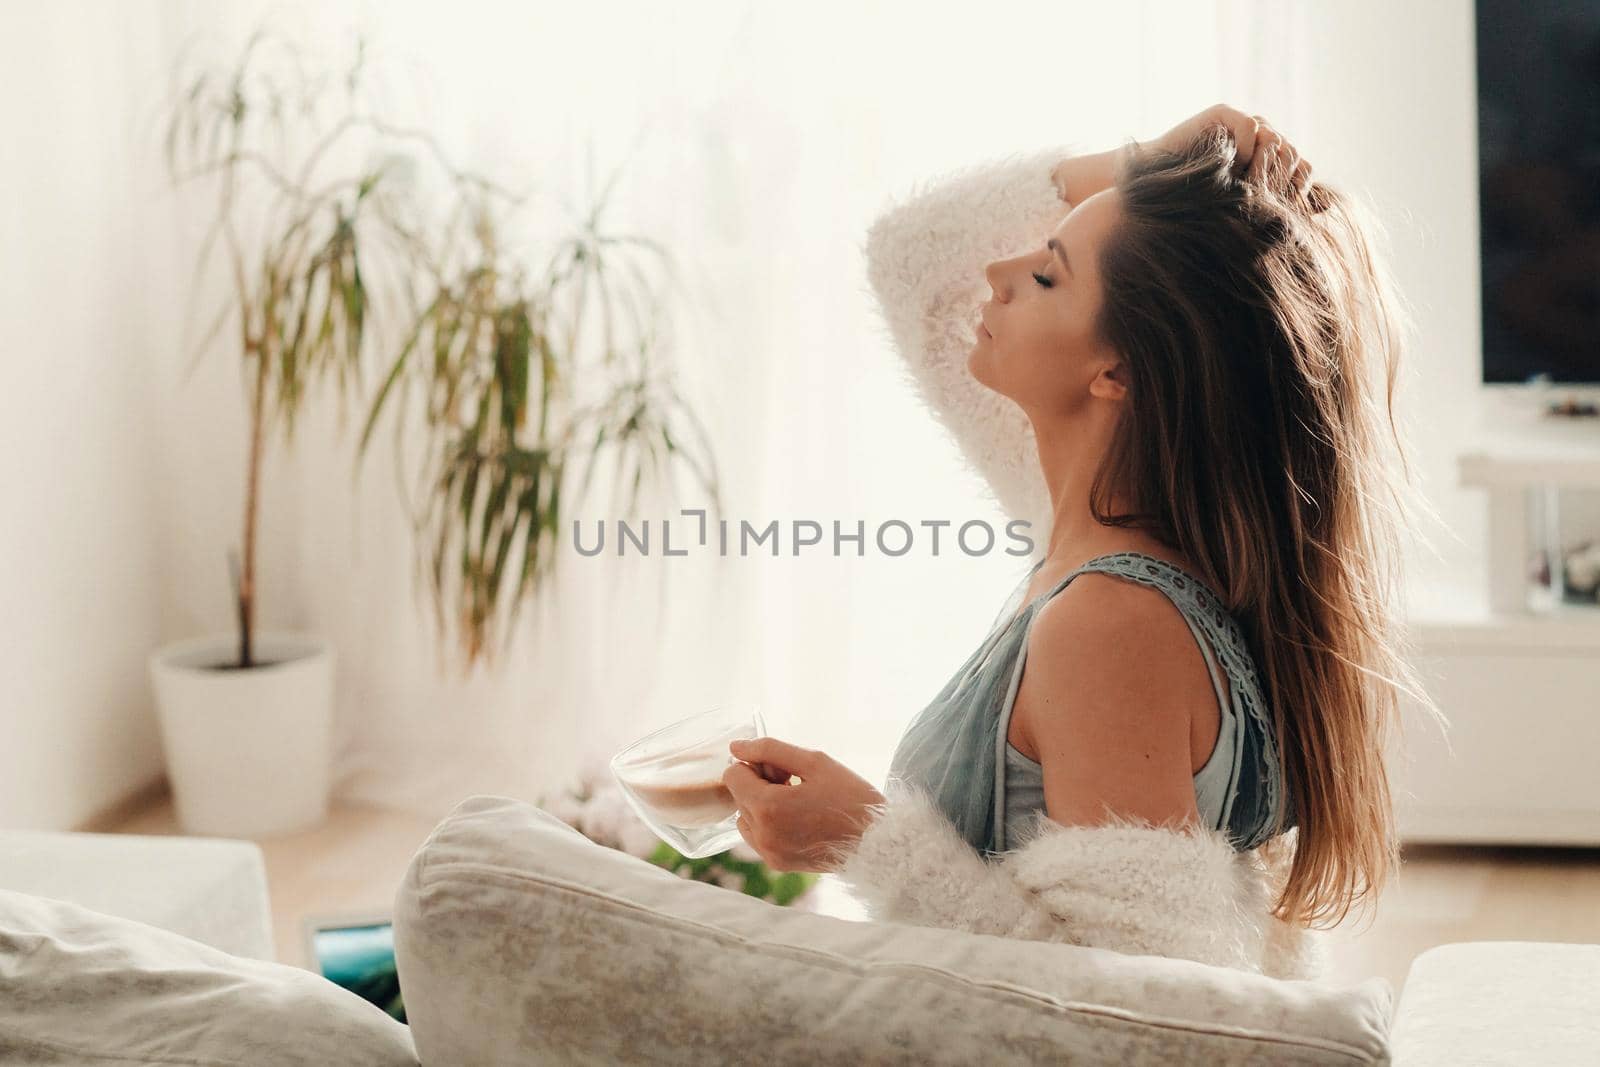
{"points": [[1070, 452]]}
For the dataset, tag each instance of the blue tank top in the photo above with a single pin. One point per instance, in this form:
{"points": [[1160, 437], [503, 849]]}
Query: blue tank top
{"points": [[956, 747]]}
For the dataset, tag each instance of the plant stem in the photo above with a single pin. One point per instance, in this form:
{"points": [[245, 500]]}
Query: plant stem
{"points": [[247, 584]]}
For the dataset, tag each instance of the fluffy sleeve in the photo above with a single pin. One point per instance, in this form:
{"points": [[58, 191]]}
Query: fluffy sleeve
{"points": [[925, 258], [1123, 885]]}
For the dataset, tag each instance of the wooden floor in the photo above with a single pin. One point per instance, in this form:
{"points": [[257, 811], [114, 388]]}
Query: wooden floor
{"points": [[353, 862]]}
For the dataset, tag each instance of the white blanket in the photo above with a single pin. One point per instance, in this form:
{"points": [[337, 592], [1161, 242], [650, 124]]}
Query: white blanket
{"points": [[1122, 886]]}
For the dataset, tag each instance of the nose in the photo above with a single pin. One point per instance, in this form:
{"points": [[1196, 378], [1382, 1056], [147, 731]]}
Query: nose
{"points": [[1002, 275], [996, 274]]}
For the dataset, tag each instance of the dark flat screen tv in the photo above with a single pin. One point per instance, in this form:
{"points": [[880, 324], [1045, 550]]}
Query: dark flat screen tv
{"points": [[1538, 64]]}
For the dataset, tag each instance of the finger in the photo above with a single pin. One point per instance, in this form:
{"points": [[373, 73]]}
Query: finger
{"points": [[787, 759], [1262, 159], [1267, 148], [1263, 135], [1302, 176], [747, 830], [1288, 157], [1250, 136], [744, 783]]}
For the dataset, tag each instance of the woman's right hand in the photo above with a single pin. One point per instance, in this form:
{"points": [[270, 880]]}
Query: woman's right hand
{"points": [[1256, 142]]}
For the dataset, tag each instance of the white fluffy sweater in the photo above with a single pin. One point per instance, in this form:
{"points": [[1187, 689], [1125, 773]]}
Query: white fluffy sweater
{"points": [[1124, 886]]}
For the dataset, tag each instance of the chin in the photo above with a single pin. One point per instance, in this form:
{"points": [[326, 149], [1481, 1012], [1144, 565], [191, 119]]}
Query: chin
{"points": [[976, 358], [980, 364]]}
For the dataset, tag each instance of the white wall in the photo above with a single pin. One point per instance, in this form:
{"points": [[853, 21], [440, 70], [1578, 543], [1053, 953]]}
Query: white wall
{"points": [[79, 582], [127, 482], [1394, 110]]}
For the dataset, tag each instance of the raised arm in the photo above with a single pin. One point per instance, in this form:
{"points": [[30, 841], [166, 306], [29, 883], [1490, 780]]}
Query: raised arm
{"points": [[925, 259]]}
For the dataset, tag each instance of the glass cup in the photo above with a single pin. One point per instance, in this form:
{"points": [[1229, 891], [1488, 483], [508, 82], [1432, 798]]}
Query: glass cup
{"points": [[673, 778]]}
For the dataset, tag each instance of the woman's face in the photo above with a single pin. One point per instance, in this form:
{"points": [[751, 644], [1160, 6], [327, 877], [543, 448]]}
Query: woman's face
{"points": [[1039, 348]]}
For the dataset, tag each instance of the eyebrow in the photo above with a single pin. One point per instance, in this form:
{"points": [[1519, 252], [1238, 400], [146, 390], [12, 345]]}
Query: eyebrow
{"points": [[1059, 249]]}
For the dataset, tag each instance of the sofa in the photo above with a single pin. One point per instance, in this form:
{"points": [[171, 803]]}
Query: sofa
{"points": [[520, 941], [211, 890]]}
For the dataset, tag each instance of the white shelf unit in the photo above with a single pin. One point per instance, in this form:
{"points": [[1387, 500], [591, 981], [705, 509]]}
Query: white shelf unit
{"points": [[1519, 474], [1515, 670]]}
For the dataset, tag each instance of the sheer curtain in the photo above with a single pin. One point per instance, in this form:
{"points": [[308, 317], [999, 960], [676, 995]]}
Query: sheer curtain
{"points": [[760, 141]]}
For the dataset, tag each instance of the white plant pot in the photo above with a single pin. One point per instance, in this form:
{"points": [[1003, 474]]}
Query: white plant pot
{"points": [[248, 751]]}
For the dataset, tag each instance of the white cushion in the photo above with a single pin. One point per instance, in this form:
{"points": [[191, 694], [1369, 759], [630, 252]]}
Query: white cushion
{"points": [[518, 940], [211, 889], [1508, 1002], [79, 987]]}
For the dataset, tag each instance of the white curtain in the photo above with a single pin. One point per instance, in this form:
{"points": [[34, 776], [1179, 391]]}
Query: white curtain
{"points": [[763, 138]]}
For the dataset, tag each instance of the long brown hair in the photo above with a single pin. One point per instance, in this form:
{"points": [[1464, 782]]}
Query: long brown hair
{"points": [[1254, 325]]}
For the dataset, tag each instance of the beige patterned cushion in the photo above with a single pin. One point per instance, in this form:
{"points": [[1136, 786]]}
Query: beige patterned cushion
{"points": [[78, 987], [520, 941]]}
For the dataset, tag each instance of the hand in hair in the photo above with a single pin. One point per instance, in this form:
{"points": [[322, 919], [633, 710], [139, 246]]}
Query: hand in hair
{"points": [[1259, 146]]}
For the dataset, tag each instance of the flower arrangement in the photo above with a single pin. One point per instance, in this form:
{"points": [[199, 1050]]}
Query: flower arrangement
{"points": [[596, 807]]}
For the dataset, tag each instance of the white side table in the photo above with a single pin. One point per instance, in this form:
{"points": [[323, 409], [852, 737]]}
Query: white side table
{"points": [[213, 890]]}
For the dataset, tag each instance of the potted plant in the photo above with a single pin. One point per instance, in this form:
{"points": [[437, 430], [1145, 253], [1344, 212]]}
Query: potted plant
{"points": [[245, 716], [495, 351]]}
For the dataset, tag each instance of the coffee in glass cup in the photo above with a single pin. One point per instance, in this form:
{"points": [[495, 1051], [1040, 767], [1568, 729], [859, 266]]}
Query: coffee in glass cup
{"points": [[673, 778]]}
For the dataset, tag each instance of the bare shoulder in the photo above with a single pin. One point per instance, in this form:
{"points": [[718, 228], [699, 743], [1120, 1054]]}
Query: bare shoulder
{"points": [[1096, 606], [1123, 643], [1109, 681]]}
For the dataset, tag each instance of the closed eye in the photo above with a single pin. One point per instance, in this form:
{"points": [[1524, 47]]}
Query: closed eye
{"points": [[1044, 282]]}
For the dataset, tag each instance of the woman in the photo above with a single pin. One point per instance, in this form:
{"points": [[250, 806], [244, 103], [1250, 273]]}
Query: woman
{"points": [[1170, 374]]}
